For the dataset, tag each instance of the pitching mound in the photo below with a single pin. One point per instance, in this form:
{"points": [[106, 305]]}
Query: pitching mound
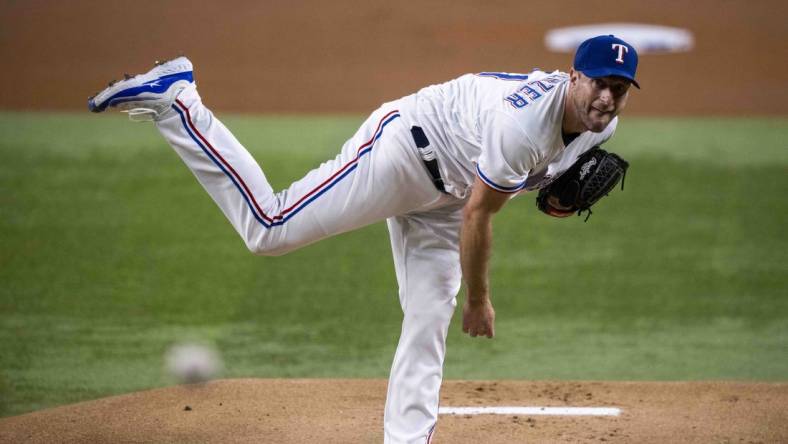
{"points": [[350, 411]]}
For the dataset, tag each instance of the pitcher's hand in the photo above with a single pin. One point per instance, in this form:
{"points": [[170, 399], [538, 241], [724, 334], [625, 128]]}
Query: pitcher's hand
{"points": [[478, 318]]}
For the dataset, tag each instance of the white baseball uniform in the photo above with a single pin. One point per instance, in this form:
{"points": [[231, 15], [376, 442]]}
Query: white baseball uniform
{"points": [[505, 128]]}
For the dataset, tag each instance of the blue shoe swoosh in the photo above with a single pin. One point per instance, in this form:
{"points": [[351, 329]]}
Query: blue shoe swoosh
{"points": [[156, 86]]}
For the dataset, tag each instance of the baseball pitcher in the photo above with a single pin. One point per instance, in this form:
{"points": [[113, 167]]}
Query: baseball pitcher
{"points": [[436, 165]]}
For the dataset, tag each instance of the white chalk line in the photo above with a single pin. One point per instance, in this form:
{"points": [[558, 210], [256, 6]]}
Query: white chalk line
{"points": [[554, 411]]}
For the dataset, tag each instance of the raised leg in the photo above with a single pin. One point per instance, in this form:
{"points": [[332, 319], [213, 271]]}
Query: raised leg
{"points": [[376, 175]]}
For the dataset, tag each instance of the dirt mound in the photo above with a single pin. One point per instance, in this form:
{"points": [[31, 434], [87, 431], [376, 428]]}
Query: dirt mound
{"points": [[351, 411]]}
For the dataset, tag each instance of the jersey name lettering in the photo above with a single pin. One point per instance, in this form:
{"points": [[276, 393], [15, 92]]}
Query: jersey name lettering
{"points": [[528, 93]]}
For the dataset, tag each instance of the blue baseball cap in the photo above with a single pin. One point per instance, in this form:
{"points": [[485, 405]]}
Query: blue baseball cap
{"points": [[606, 55]]}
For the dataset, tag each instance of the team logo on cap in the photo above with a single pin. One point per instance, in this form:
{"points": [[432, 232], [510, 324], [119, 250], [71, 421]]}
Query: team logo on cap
{"points": [[622, 49]]}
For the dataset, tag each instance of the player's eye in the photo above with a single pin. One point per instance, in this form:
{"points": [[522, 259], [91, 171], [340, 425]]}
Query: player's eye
{"points": [[619, 89]]}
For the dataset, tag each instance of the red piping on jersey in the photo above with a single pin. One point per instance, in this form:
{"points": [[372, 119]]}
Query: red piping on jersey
{"points": [[246, 188]]}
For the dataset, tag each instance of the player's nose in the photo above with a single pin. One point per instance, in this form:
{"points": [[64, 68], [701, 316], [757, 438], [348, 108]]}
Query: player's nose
{"points": [[606, 96], [606, 100]]}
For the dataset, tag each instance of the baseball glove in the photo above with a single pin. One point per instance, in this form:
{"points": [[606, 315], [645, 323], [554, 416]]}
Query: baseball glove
{"points": [[590, 178]]}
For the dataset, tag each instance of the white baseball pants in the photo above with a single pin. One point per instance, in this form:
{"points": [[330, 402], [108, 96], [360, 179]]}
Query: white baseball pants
{"points": [[378, 175]]}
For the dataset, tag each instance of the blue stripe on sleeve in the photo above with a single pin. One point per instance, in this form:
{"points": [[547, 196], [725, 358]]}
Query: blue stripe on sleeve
{"points": [[504, 75], [497, 187]]}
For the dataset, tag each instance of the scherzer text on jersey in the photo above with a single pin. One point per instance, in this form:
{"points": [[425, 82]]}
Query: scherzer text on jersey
{"points": [[533, 90]]}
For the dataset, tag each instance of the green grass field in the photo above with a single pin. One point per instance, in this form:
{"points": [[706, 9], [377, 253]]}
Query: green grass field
{"points": [[110, 251]]}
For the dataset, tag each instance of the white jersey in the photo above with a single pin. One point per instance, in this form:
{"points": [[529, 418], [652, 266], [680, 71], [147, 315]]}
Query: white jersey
{"points": [[504, 128]]}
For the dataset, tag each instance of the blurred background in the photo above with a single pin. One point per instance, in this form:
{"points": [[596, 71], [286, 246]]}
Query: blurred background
{"points": [[110, 252], [349, 56]]}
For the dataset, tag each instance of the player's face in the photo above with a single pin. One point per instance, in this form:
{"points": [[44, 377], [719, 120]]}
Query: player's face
{"points": [[598, 101]]}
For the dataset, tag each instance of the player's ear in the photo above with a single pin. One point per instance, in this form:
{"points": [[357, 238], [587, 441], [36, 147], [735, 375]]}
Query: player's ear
{"points": [[573, 76]]}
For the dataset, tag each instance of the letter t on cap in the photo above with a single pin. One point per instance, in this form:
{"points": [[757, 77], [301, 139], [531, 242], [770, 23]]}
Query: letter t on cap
{"points": [[622, 49]]}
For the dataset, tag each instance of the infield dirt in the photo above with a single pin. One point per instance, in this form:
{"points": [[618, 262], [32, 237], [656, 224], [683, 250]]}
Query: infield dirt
{"points": [[351, 411]]}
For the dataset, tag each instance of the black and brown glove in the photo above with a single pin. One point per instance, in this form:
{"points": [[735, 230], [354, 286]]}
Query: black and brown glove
{"points": [[590, 178]]}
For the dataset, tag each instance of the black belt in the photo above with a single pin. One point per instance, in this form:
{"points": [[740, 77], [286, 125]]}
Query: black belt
{"points": [[432, 164]]}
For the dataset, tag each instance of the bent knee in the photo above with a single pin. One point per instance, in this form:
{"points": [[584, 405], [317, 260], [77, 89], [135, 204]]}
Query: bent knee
{"points": [[437, 314], [258, 248]]}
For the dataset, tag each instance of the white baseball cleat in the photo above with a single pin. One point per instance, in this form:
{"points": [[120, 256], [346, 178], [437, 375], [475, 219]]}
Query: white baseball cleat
{"points": [[146, 96]]}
